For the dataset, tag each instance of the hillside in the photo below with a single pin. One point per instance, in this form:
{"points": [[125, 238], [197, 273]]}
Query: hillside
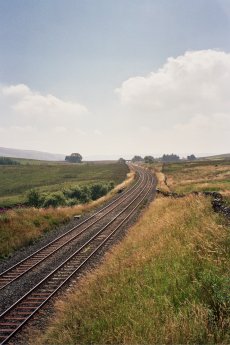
{"points": [[30, 154], [222, 156], [17, 180]]}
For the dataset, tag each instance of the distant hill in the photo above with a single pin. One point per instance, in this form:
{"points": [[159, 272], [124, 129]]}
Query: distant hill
{"points": [[30, 154], [223, 156]]}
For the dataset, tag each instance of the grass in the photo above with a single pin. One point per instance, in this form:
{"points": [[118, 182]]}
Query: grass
{"points": [[166, 283], [185, 177], [21, 227], [16, 181]]}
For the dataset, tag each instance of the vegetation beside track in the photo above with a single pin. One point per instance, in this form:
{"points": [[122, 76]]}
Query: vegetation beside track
{"points": [[167, 282], [21, 227], [17, 180], [185, 177]]}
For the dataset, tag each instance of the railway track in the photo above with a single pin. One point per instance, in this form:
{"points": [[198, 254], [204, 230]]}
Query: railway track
{"points": [[18, 314], [30, 262]]}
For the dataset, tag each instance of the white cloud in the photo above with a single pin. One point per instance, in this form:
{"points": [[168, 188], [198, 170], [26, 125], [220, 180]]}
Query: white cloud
{"points": [[31, 119], [185, 103], [215, 122], [22, 100], [197, 81], [19, 90]]}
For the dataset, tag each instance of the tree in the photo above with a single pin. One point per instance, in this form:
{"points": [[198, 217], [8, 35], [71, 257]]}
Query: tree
{"points": [[148, 159], [191, 157], [8, 161], [137, 159], [74, 158], [170, 158]]}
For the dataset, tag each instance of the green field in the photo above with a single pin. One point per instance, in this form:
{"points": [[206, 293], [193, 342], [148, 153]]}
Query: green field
{"points": [[16, 181]]}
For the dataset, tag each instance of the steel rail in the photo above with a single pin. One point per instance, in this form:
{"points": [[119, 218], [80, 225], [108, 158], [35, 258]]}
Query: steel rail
{"points": [[5, 280], [47, 279]]}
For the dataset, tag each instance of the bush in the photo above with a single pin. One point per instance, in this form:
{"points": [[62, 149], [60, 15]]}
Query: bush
{"points": [[73, 193], [34, 198], [54, 200], [98, 190], [71, 202], [111, 185], [69, 197]]}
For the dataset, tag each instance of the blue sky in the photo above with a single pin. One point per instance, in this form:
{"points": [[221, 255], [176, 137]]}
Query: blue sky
{"points": [[80, 52]]}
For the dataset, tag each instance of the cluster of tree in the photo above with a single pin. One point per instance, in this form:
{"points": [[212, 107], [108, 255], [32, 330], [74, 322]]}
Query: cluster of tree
{"points": [[170, 158], [165, 158], [68, 197], [8, 161], [191, 158], [74, 158], [146, 159], [176, 158], [137, 159]]}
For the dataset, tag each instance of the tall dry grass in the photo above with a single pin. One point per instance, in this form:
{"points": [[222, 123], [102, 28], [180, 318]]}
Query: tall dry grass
{"points": [[166, 283], [161, 177], [21, 227], [184, 178]]}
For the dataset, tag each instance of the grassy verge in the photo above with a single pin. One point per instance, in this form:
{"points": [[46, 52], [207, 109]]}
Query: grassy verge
{"points": [[167, 282], [21, 227], [161, 178]]}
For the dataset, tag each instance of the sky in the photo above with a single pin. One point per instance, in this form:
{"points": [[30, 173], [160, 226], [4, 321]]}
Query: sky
{"points": [[115, 78]]}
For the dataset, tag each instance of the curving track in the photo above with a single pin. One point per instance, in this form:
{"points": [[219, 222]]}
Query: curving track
{"points": [[101, 228], [30, 262]]}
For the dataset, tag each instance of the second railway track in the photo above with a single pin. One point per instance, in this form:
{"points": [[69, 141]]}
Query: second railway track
{"points": [[30, 262], [18, 314]]}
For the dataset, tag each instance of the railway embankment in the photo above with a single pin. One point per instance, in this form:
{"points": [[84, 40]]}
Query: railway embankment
{"points": [[167, 282]]}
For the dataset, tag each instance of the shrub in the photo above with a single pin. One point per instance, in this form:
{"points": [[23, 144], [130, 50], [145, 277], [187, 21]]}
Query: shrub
{"points": [[85, 194], [54, 200], [69, 197], [34, 198], [98, 190], [71, 202], [111, 185], [73, 193]]}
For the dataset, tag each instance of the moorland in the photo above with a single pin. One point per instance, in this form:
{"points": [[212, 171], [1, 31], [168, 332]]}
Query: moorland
{"points": [[167, 282]]}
